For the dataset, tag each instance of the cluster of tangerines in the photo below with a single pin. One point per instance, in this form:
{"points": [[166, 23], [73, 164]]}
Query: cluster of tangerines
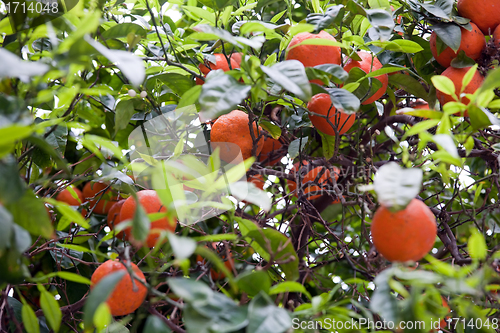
{"points": [[483, 22], [129, 292]]}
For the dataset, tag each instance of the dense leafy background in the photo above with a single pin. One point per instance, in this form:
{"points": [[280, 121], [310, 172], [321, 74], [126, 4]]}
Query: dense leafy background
{"points": [[66, 115]]}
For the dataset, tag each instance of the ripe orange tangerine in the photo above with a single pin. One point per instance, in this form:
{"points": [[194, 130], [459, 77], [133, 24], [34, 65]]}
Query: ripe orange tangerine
{"points": [[128, 295], [456, 75], [269, 151], [313, 55], [220, 63], [151, 203], [322, 104], [368, 64], [484, 13], [472, 43], [406, 235], [93, 193], [67, 197], [317, 175], [114, 216], [231, 133]]}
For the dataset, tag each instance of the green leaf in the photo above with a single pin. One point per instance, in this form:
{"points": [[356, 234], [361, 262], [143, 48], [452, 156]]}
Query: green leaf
{"points": [[30, 213], [140, 223], [254, 282], [395, 186], [344, 100], [296, 146], [100, 294], [328, 144], [69, 213], [183, 247], [220, 95], [291, 75], [123, 113], [476, 246], [468, 76], [421, 127], [289, 286], [14, 133], [409, 84], [492, 80], [123, 29], [13, 66], [444, 84], [271, 128], [50, 309], [12, 188], [30, 320], [450, 34], [102, 317], [129, 64], [323, 21], [155, 324], [382, 21], [271, 240], [73, 277], [481, 117], [331, 72], [265, 317]]}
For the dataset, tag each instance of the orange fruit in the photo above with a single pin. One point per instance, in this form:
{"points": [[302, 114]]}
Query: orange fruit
{"points": [[406, 235], [421, 105], [318, 175], [237, 58], [151, 203], [67, 196], [128, 295], [313, 55], [496, 35], [269, 152], [322, 104], [456, 75], [472, 43], [215, 273], [257, 180], [231, 133], [114, 215], [484, 13], [102, 202], [220, 63], [368, 64]]}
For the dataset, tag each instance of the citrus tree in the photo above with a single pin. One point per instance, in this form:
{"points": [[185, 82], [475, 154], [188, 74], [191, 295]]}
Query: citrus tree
{"points": [[249, 165]]}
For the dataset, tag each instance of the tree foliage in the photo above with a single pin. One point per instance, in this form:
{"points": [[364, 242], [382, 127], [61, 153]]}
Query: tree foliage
{"points": [[88, 92]]}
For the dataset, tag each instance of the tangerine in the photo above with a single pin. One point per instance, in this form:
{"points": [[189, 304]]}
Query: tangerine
{"points": [[484, 13], [151, 203], [220, 63], [368, 64], [231, 133], [313, 55], [258, 180], [67, 196], [114, 216], [456, 75], [472, 43], [93, 192], [128, 295], [269, 153], [406, 235], [496, 35], [322, 104], [318, 175]]}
